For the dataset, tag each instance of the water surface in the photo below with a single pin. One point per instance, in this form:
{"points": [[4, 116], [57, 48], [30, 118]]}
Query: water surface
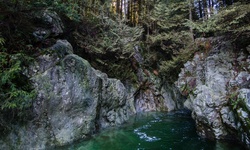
{"points": [[153, 131]]}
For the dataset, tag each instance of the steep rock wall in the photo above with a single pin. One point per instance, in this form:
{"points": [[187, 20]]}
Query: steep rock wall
{"points": [[153, 94], [217, 84], [74, 101]]}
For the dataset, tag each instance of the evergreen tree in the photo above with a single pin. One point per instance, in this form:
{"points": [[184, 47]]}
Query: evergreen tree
{"points": [[169, 37], [233, 20], [109, 44]]}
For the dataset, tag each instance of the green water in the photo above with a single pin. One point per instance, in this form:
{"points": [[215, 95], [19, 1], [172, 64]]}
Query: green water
{"points": [[153, 131]]}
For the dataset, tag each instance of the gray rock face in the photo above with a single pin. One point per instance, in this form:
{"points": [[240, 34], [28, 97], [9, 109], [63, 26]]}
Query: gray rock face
{"points": [[217, 85], [74, 101], [172, 99], [158, 98], [152, 94], [50, 24]]}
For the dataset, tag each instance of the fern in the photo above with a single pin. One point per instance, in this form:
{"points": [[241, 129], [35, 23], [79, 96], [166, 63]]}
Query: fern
{"points": [[16, 93], [2, 41]]}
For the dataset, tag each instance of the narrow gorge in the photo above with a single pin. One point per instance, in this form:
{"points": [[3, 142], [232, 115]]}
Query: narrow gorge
{"points": [[73, 72]]}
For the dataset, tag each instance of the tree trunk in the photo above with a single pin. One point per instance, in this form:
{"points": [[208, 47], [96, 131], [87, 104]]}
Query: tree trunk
{"points": [[117, 7], [200, 9], [191, 18]]}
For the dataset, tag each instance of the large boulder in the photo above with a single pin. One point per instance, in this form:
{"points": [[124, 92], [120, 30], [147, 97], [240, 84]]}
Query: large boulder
{"points": [[217, 83], [73, 101]]}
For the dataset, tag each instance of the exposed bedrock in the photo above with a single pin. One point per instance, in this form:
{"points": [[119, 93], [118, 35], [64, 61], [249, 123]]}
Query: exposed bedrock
{"points": [[217, 86]]}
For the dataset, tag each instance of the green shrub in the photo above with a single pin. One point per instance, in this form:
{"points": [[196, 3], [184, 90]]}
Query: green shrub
{"points": [[15, 91]]}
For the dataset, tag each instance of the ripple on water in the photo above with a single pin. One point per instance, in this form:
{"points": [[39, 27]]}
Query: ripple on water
{"points": [[143, 135], [153, 131]]}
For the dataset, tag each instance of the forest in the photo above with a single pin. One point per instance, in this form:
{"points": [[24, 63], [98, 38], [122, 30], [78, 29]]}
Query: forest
{"points": [[114, 36]]}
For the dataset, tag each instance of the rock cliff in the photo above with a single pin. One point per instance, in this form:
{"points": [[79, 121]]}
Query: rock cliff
{"points": [[74, 101], [217, 85]]}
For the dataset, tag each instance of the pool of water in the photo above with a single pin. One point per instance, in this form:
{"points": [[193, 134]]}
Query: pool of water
{"points": [[153, 131]]}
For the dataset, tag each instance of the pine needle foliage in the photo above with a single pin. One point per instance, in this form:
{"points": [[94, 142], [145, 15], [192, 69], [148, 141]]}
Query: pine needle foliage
{"points": [[16, 92], [169, 38], [233, 20], [109, 44], [114, 37]]}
